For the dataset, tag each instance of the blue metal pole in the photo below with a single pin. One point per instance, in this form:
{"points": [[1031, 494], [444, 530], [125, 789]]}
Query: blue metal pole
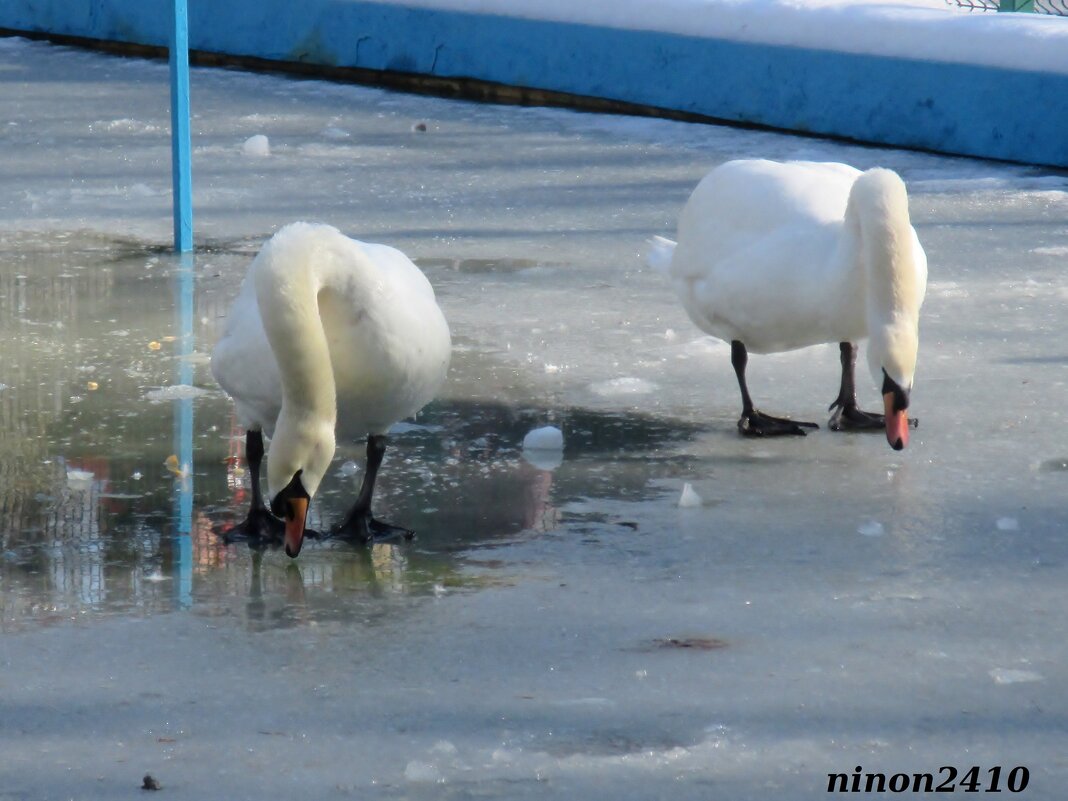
{"points": [[181, 172], [183, 435]]}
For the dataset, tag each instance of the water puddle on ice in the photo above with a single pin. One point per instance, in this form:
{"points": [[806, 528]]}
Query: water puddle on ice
{"points": [[120, 462]]}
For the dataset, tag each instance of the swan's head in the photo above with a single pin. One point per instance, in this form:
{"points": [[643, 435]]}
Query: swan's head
{"points": [[291, 504], [892, 353], [299, 458]]}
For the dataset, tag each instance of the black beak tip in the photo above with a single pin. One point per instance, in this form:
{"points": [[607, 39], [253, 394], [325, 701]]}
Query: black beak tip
{"points": [[292, 554], [896, 445]]}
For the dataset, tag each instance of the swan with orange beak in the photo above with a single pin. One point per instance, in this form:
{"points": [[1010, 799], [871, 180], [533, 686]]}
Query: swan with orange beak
{"points": [[776, 256], [328, 337]]}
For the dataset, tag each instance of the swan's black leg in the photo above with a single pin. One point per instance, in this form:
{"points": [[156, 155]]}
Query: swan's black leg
{"points": [[846, 415], [754, 423], [260, 526], [359, 523]]}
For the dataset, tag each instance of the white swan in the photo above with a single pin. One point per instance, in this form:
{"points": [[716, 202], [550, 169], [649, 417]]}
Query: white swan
{"points": [[326, 334], [777, 256]]}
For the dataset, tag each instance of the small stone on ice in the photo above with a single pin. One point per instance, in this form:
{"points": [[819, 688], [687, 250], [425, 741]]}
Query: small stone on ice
{"points": [[1008, 524], [873, 528], [689, 498]]}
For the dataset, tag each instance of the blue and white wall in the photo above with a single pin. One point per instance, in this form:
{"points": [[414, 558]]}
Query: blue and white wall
{"points": [[1002, 112]]}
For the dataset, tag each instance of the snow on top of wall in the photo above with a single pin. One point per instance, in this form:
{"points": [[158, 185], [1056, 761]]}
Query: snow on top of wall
{"points": [[920, 29]]}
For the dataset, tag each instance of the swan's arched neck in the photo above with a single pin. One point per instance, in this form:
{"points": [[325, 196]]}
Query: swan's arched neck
{"points": [[287, 289]]}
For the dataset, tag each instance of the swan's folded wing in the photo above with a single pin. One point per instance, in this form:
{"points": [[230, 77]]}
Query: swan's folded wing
{"points": [[243, 365]]}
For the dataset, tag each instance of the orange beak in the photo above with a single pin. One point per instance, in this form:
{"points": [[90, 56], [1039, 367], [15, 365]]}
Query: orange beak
{"points": [[897, 423], [296, 514]]}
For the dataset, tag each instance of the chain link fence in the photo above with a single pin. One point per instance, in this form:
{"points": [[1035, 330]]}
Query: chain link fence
{"points": [[1057, 7]]}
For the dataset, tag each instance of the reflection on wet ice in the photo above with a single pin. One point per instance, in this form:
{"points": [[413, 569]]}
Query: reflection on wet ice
{"points": [[111, 502]]}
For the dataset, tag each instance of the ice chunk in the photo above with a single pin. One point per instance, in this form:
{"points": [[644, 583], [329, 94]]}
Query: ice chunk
{"points": [[257, 145], [174, 392], [546, 438], [1007, 524], [1013, 675], [423, 773], [626, 385], [872, 528], [80, 480], [544, 447], [689, 498]]}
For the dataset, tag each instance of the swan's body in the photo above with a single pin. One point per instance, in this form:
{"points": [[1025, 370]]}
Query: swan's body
{"points": [[777, 256], [328, 334]]}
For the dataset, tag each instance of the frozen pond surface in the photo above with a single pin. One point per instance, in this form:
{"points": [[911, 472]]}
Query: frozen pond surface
{"points": [[556, 630]]}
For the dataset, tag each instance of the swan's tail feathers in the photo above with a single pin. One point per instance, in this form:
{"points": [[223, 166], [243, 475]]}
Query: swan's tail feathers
{"points": [[660, 253]]}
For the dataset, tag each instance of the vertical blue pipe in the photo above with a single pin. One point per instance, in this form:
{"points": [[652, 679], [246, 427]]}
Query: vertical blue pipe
{"points": [[181, 172], [185, 302]]}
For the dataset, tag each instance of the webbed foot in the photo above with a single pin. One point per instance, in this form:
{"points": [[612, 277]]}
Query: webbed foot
{"points": [[758, 424]]}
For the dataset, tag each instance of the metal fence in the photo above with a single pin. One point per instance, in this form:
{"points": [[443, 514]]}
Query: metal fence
{"points": [[1057, 7]]}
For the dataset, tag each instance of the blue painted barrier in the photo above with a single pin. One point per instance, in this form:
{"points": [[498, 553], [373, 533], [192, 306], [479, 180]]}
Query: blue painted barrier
{"points": [[964, 109], [181, 140]]}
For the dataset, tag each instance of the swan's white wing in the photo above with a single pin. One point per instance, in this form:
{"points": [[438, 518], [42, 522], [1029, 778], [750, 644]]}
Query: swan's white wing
{"points": [[244, 365], [389, 342], [759, 255]]}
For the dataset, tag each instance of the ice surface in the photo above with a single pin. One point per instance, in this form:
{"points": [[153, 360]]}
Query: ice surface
{"points": [[547, 624]]}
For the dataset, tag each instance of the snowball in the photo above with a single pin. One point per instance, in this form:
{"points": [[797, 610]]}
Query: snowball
{"points": [[544, 447], [689, 498], [546, 438], [257, 145]]}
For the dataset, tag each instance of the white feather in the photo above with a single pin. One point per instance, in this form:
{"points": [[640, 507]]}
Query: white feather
{"points": [[786, 255], [328, 334]]}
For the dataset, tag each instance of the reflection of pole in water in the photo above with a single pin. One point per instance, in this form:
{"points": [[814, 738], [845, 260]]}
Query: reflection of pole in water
{"points": [[183, 435]]}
